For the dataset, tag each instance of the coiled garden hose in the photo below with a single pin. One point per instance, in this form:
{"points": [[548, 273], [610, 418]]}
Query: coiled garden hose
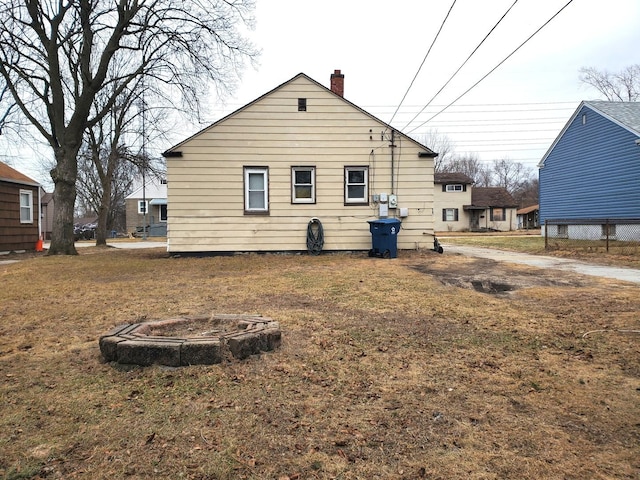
{"points": [[315, 236]]}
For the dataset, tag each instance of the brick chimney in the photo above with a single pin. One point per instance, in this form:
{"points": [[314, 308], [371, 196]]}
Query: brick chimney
{"points": [[337, 83]]}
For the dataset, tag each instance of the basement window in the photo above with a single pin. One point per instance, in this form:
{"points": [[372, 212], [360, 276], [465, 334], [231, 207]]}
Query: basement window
{"points": [[302, 104]]}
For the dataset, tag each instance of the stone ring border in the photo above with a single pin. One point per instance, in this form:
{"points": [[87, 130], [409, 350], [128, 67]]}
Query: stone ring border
{"points": [[132, 344]]}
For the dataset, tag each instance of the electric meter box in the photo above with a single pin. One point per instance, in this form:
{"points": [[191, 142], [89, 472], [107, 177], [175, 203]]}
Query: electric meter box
{"points": [[384, 237]]}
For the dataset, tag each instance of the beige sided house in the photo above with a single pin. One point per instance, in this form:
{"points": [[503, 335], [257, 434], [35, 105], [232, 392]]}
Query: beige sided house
{"points": [[492, 209], [452, 193], [254, 180]]}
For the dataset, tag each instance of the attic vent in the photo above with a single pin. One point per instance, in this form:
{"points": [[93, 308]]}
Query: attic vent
{"points": [[302, 104], [584, 118]]}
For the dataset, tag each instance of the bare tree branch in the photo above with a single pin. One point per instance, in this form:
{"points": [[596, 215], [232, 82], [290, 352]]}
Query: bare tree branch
{"points": [[58, 56], [623, 86]]}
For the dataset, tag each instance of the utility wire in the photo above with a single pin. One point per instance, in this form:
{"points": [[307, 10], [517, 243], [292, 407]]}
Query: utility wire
{"points": [[463, 64], [423, 61], [494, 68]]}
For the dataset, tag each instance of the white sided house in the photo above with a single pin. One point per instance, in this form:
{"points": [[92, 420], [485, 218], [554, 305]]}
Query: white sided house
{"points": [[256, 180]]}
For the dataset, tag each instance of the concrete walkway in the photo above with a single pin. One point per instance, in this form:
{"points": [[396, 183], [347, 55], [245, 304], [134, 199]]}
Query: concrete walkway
{"points": [[540, 261], [124, 245]]}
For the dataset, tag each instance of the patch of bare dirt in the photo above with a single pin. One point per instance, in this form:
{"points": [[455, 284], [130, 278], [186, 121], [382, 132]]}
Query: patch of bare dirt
{"points": [[492, 277]]}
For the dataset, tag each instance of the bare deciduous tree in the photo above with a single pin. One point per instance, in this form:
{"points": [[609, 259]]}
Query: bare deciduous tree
{"points": [[623, 86], [527, 193], [56, 57], [441, 144], [471, 166], [509, 174], [7, 105]]}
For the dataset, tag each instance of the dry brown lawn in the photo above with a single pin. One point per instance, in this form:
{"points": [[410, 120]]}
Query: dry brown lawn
{"points": [[389, 369]]}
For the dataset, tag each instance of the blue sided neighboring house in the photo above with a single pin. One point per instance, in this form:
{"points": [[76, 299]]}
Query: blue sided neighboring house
{"points": [[590, 176]]}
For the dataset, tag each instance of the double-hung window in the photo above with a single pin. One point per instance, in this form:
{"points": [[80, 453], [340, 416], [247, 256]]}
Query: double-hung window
{"points": [[303, 184], [143, 207], [26, 206], [450, 214], [356, 185], [256, 189]]}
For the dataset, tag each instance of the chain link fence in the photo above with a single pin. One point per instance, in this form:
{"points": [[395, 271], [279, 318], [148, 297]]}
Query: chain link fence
{"points": [[613, 235]]}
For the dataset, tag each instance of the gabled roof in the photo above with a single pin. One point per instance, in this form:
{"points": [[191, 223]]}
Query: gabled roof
{"points": [[153, 188], [46, 198], [174, 150], [525, 210], [452, 177], [492, 197], [9, 174], [624, 114]]}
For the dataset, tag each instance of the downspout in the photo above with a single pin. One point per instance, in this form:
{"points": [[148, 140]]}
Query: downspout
{"points": [[40, 213]]}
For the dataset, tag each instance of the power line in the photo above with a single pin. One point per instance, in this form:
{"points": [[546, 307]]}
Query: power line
{"points": [[423, 60], [463, 64], [498, 65]]}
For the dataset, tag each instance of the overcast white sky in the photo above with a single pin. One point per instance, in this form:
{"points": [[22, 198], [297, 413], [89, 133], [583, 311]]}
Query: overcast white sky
{"points": [[515, 113], [380, 45]]}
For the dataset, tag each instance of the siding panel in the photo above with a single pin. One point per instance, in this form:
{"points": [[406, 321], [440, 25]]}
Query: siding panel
{"points": [[593, 171], [206, 185]]}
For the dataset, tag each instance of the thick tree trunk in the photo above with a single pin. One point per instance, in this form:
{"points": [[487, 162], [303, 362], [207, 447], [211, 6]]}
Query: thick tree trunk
{"points": [[103, 213], [64, 198]]}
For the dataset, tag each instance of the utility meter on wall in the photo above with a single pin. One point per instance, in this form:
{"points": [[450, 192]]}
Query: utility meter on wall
{"points": [[393, 201]]}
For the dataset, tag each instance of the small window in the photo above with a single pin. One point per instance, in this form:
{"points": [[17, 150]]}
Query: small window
{"points": [[256, 190], [449, 214], [26, 206], [143, 206], [584, 118], [302, 104], [356, 185], [163, 181], [498, 214], [563, 231], [163, 213], [303, 184], [455, 188], [608, 230]]}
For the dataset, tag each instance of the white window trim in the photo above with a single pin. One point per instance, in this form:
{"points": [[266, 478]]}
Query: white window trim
{"points": [[29, 195], [356, 201], [146, 207], [295, 199], [451, 211], [265, 172], [455, 188], [163, 218]]}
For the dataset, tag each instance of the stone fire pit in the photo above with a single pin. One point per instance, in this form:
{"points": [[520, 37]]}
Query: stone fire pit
{"points": [[200, 340]]}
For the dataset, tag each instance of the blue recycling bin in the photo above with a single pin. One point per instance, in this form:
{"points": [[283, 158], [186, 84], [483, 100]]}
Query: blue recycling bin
{"points": [[384, 237]]}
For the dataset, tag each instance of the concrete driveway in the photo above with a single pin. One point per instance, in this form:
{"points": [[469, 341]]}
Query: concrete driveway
{"points": [[540, 261]]}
